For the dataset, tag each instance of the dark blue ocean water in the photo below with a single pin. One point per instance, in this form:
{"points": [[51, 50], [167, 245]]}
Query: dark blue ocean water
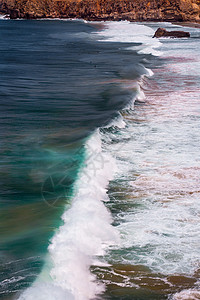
{"points": [[58, 83]]}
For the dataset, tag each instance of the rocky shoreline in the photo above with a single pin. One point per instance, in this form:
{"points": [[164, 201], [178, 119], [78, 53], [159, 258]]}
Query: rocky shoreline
{"points": [[99, 10]]}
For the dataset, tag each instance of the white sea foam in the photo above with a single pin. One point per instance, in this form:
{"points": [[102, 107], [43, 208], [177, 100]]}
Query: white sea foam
{"points": [[187, 295], [43, 291], [140, 94], [127, 32], [118, 122], [150, 73], [159, 161], [87, 232]]}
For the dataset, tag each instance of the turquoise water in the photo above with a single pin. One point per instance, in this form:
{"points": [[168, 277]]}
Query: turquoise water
{"points": [[99, 161]]}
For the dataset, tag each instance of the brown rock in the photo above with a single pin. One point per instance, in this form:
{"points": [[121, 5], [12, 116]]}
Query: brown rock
{"points": [[133, 10], [161, 32], [14, 14]]}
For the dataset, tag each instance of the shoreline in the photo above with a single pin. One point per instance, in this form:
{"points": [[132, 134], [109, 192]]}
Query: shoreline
{"points": [[187, 24], [190, 24]]}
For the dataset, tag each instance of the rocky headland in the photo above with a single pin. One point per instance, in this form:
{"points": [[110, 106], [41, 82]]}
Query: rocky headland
{"points": [[133, 10]]}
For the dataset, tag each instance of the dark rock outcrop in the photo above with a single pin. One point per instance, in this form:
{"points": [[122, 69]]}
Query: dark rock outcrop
{"points": [[161, 32], [14, 13], [133, 10]]}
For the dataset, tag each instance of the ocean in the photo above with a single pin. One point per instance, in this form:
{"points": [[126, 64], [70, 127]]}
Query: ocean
{"points": [[100, 167]]}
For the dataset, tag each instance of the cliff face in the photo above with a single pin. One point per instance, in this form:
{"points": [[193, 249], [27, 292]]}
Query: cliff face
{"points": [[135, 10]]}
